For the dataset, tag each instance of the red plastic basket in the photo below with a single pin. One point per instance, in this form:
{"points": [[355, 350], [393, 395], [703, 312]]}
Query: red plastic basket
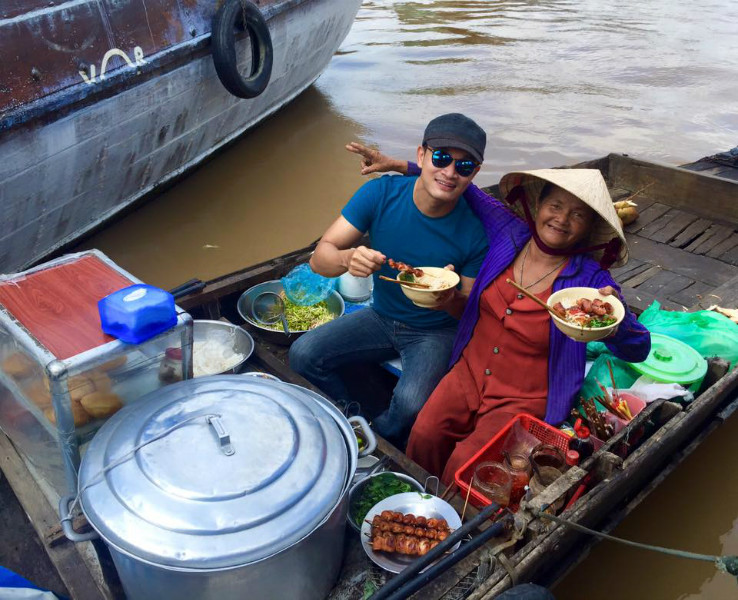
{"points": [[493, 451]]}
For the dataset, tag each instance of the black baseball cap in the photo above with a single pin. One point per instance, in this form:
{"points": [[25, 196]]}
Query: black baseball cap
{"points": [[455, 130]]}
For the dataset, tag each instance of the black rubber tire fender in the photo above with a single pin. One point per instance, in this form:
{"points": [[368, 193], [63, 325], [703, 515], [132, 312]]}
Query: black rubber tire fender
{"points": [[244, 15]]}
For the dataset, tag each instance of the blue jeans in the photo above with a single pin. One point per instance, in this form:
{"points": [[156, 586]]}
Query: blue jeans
{"points": [[365, 336]]}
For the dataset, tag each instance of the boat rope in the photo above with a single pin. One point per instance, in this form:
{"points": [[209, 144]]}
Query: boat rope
{"points": [[726, 564]]}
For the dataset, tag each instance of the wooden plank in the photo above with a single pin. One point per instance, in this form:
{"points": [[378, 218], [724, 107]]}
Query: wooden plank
{"points": [[639, 300], [718, 234], [618, 194], [731, 256], [725, 295], [633, 267], [653, 212], [692, 266], [680, 220], [657, 224], [690, 233], [642, 277], [690, 296], [69, 562], [706, 196], [723, 247], [665, 283]]}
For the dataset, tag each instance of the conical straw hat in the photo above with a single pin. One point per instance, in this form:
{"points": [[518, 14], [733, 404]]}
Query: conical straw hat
{"points": [[586, 184]]}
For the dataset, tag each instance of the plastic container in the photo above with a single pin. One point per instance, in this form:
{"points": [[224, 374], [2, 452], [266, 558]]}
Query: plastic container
{"points": [[672, 361], [137, 312], [355, 289], [492, 451]]}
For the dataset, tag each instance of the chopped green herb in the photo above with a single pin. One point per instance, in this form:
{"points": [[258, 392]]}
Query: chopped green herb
{"points": [[303, 318], [375, 490]]}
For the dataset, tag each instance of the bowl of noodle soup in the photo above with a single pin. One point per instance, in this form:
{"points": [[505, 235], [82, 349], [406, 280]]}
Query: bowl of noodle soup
{"points": [[568, 297], [440, 281]]}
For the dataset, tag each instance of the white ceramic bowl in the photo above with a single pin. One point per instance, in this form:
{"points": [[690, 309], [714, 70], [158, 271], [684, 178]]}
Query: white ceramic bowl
{"points": [[568, 298], [427, 298]]}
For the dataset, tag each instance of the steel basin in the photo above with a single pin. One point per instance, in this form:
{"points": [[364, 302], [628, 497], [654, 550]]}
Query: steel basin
{"points": [[245, 304], [239, 340]]}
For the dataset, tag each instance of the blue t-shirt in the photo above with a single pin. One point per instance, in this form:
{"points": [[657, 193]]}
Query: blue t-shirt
{"points": [[385, 209]]}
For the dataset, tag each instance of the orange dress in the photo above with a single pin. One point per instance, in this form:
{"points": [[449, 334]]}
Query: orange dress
{"points": [[502, 372]]}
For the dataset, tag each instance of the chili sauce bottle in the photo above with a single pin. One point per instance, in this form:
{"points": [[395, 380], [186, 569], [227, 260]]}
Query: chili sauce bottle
{"points": [[582, 443]]}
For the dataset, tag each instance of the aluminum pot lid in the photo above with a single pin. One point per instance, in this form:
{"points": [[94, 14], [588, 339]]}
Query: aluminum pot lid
{"points": [[214, 472]]}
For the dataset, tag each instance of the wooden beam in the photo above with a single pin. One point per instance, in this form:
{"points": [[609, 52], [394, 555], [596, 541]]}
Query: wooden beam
{"points": [[66, 557], [706, 196]]}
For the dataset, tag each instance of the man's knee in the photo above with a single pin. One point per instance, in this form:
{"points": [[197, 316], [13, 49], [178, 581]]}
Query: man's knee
{"points": [[302, 356]]}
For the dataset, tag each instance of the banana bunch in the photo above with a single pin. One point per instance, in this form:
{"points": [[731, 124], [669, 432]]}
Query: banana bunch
{"points": [[627, 211]]}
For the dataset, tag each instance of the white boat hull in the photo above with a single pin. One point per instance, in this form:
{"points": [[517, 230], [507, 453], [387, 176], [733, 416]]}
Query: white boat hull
{"points": [[63, 178]]}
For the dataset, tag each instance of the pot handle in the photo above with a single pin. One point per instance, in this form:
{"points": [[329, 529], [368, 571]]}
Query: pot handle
{"points": [[371, 440], [66, 522], [429, 481]]}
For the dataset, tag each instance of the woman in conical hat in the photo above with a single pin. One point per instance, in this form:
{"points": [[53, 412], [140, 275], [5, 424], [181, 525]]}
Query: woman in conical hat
{"points": [[562, 231]]}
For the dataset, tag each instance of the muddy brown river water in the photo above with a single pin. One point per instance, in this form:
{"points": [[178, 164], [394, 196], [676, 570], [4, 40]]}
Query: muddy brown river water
{"points": [[552, 82]]}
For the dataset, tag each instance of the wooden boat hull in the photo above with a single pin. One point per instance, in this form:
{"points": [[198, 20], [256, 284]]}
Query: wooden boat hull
{"points": [[76, 157], [616, 485]]}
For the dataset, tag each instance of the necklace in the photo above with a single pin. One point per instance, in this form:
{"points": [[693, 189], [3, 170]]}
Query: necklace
{"points": [[522, 266]]}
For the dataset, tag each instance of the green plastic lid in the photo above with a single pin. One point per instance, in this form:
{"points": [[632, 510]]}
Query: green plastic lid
{"points": [[672, 361]]}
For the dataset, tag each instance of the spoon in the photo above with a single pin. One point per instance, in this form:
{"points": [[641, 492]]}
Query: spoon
{"points": [[268, 308]]}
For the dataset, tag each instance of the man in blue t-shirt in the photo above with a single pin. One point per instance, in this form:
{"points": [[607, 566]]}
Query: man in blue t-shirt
{"points": [[422, 221]]}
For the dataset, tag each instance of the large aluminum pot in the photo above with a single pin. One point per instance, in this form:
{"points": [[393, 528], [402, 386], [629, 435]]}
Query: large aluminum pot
{"points": [[222, 487]]}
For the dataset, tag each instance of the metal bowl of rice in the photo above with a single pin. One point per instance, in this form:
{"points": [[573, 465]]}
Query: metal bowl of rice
{"points": [[219, 348], [330, 308]]}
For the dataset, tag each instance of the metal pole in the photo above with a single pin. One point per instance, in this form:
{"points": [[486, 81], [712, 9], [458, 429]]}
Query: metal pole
{"points": [[412, 586], [415, 567]]}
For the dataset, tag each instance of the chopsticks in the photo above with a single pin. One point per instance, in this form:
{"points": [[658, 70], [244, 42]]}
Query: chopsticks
{"points": [[532, 296], [407, 283]]}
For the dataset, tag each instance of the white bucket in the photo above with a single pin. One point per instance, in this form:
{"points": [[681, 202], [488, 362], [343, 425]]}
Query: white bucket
{"points": [[355, 289]]}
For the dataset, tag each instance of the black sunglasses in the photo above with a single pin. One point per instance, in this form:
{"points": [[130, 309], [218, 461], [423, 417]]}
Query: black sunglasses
{"points": [[442, 159]]}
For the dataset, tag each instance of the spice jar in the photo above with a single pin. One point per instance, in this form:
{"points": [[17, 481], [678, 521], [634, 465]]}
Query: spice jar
{"points": [[170, 368], [548, 455], [520, 470], [494, 481]]}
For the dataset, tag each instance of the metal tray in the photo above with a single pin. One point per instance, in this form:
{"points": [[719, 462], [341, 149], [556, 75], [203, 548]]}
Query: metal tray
{"points": [[416, 503]]}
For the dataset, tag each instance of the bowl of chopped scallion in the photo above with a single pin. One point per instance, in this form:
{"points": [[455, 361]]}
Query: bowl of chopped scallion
{"points": [[373, 489], [299, 318]]}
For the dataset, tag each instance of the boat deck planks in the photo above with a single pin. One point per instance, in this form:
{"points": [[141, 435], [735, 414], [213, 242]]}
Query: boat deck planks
{"points": [[680, 251]]}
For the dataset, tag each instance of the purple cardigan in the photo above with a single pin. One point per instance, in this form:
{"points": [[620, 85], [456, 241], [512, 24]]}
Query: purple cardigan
{"points": [[507, 234]]}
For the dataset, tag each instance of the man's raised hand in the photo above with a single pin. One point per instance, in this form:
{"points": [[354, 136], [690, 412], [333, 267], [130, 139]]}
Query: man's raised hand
{"points": [[373, 161], [365, 261]]}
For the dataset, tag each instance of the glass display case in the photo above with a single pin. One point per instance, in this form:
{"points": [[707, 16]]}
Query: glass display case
{"points": [[61, 377]]}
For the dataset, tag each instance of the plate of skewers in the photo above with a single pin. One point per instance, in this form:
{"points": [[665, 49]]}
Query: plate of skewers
{"points": [[403, 527]]}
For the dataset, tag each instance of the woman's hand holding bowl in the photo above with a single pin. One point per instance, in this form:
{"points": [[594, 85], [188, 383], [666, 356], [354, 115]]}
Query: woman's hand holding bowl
{"points": [[608, 290]]}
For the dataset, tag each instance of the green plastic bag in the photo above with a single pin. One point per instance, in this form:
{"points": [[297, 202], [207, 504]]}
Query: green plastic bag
{"points": [[708, 332], [624, 374]]}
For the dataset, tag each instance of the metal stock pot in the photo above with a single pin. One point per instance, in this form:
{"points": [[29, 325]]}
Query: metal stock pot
{"points": [[222, 487]]}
